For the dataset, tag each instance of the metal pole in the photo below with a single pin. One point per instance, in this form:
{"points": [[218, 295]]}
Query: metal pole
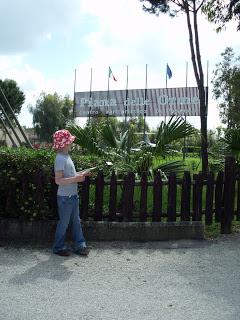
{"points": [[126, 106], [16, 120], [145, 108], [165, 108], [10, 124], [185, 117], [90, 96], [108, 92], [8, 132], [74, 90]]}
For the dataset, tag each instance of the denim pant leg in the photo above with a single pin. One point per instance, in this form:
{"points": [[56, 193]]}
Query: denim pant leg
{"points": [[64, 213], [77, 233]]}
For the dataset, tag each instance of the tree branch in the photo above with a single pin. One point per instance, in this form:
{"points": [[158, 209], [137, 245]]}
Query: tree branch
{"points": [[201, 4], [186, 7], [199, 62]]}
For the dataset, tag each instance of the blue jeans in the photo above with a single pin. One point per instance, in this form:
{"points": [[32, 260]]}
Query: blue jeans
{"points": [[68, 211]]}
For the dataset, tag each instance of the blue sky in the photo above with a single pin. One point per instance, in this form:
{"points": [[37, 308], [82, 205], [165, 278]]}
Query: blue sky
{"points": [[43, 42]]}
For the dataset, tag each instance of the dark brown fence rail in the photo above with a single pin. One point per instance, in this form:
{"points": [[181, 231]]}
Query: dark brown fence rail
{"points": [[192, 198], [213, 197]]}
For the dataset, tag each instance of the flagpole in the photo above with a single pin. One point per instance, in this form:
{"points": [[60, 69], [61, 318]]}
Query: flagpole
{"points": [[145, 108], [166, 76], [126, 106], [165, 116], [90, 96], [108, 92], [74, 90], [185, 117]]}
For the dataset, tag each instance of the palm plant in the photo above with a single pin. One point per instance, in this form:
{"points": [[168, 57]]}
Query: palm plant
{"points": [[232, 142], [117, 148]]}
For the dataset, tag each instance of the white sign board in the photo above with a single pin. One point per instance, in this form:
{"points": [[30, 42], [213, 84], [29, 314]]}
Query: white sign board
{"points": [[137, 102]]}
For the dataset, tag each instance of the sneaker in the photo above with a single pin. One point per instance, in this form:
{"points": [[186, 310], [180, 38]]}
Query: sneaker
{"points": [[63, 253], [82, 251]]}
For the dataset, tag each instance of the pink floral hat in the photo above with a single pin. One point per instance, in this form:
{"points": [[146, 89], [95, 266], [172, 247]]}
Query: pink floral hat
{"points": [[61, 138]]}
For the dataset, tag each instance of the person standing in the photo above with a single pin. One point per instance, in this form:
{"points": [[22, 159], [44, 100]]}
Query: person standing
{"points": [[67, 180]]}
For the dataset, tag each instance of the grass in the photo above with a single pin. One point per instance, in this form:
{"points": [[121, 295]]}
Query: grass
{"points": [[214, 230]]}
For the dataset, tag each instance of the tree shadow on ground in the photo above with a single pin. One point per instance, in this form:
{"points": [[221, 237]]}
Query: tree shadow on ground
{"points": [[53, 268]]}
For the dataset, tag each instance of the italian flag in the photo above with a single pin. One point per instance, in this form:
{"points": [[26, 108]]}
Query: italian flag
{"points": [[110, 74]]}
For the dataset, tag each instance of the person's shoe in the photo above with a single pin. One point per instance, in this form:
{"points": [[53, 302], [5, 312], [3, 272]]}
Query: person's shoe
{"points": [[82, 251], [63, 253]]}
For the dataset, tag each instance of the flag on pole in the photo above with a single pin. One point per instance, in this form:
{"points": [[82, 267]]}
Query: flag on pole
{"points": [[169, 72], [110, 74]]}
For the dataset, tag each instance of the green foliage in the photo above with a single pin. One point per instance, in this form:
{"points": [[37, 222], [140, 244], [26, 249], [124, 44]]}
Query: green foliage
{"points": [[27, 189], [221, 12], [18, 171], [226, 84], [232, 142], [167, 133], [51, 113], [27, 186], [86, 138], [117, 147], [14, 96]]}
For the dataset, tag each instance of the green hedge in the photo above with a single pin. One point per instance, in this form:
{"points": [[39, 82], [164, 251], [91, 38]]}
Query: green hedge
{"points": [[27, 188]]}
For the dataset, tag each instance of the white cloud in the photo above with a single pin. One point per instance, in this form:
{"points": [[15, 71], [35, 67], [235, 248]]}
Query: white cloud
{"points": [[124, 35], [26, 22]]}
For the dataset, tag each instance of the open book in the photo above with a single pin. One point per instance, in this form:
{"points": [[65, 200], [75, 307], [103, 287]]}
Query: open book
{"points": [[87, 170]]}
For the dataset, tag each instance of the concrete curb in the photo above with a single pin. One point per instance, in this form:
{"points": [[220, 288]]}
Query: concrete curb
{"points": [[43, 231]]}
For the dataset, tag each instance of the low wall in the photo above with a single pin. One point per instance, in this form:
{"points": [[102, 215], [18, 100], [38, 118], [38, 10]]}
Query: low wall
{"points": [[37, 232]]}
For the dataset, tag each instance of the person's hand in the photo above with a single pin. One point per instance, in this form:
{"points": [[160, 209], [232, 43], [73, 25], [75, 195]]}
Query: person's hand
{"points": [[80, 177], [87, 174]]}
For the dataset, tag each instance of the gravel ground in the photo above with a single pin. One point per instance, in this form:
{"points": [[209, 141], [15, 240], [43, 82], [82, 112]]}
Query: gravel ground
{"points": [[195, 280]]}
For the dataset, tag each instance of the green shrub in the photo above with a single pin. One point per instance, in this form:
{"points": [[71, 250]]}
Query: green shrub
{"points": [[27, 188]]}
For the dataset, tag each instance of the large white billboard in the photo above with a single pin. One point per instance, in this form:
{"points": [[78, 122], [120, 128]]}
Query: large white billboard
{"points": [[137, 102]]}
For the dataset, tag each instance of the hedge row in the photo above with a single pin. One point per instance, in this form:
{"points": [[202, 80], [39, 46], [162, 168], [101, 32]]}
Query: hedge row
{"points": [[27, 188]]}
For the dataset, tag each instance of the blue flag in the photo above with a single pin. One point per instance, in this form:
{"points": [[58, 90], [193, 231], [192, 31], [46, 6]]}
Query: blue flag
{"points": [[169, 72]]}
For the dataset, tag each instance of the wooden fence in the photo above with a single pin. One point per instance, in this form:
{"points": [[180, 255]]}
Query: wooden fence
{"points": [[212, 198], [218, 193]]}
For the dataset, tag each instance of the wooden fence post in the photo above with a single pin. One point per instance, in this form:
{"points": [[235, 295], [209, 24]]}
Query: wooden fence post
{"points": [[113, 197], [197, 197], [229, 194], [143, 197], [186, 197], [157, 197], [209, 198], [172, 197], [85, 198], [128, 195], [99, 196], [219, 196]]}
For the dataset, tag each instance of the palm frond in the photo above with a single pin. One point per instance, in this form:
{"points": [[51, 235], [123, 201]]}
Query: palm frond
{"points": [[176, 128], [177, 167], [232, 141], [86, 138], [108, 136]]}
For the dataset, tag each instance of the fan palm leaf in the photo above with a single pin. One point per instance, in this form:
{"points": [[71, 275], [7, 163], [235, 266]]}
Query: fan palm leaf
{"points": [[86, 138], [176, 128]]}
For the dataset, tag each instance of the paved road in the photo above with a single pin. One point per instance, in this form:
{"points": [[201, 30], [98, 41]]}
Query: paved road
{"points": [[166, 280]]}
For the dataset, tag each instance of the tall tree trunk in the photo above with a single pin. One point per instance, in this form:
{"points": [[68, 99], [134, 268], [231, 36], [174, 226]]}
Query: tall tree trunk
{"points": [[197, 67], [203, 117]]}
